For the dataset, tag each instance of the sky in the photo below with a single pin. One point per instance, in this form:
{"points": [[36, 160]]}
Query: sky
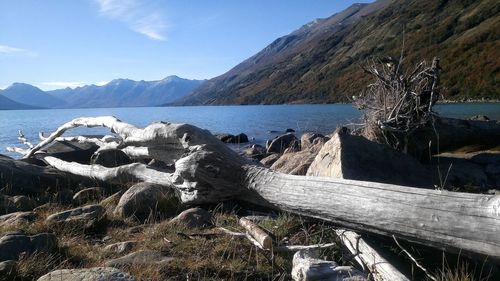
{"points": [[59, 43]]}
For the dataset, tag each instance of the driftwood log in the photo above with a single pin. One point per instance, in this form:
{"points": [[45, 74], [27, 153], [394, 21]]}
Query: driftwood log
{"points": [[207, 171]]}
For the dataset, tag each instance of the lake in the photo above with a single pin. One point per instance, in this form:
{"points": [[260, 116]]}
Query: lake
{"points": [[259, 122]]}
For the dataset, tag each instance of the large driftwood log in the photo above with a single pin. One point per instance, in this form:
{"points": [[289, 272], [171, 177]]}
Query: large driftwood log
{"points": [[207, 171]]}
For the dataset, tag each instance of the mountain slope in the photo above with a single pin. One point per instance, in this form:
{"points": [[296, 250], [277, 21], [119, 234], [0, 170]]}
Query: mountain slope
{"points": [[33, 96], [320, 62], [6, 103], [126, 92]]}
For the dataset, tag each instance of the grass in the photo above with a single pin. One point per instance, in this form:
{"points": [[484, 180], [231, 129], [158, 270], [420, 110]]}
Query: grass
{"points": [[199, 253]]}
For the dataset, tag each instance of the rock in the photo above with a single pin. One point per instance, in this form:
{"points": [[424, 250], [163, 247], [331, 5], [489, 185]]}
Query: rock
{"points": [[71, 151], [112, 200], [144, 257], [12, 245], [255, 151], [354, 157], [289, 130], [120, 247], [19, 178], [111, 158], [480, 118], [297, 163], [87, 274], [143, 199], [10, 204], [87, 194], [87, 216], [7, 270], [459, 172], [279, 144], [194, 217], [228, 138], [16, 219], [309, 139], [269, 160]]}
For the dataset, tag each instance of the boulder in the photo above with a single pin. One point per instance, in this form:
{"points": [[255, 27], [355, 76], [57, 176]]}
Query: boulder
{"points": [[7, 270], [269, 160], [143, 199], [87, 274], [87, 194], [111, 158], [87, 216], [112, 200], [20, 178], [16, 219], [354, 157], [71, 151], [309, 139], [143, 257], [458, 172], [13, 244], [279, 144], [289, 130], [255, 151], [194, 217], [120, 247], [228, 138], [10, 204], [297, 163]]}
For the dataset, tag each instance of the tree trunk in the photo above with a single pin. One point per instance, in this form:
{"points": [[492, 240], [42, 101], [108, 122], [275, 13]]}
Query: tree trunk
{"points": [[450, 221]]}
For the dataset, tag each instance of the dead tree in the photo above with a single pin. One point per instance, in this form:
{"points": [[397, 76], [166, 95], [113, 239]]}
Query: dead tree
{"points": [[398, 102], [207, 171]]}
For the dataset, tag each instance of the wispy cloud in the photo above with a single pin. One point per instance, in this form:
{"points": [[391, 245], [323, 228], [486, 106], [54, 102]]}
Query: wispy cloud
{"points": [[137, 15], [8, 50]]}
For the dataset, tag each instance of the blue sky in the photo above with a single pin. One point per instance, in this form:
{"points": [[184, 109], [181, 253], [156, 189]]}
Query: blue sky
{"points": [[58, 43]]}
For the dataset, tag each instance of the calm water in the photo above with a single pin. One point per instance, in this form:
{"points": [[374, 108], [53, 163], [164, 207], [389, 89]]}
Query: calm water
{"points": [[257, 122]]}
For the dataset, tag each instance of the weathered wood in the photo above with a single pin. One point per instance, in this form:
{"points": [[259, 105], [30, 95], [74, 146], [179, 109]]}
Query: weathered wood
{"points": [[207, 171], [307, 267], [257, 233], [378, 266], [446, 220]]}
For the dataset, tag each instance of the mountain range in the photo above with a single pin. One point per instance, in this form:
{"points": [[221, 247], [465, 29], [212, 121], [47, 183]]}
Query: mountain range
{"points": [[320, 62], [117, 93]]}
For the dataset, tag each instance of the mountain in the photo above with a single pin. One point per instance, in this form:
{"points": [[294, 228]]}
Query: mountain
{"points": [[33, 96], [320, 62], [6, 103], [126, 92]]}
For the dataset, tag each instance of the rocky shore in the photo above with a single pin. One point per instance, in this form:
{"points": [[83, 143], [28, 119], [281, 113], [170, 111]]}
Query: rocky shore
{"points": [[57, 226]]}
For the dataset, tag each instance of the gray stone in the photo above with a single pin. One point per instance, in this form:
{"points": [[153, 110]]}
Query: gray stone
{"points": [[7, 270], [10, 204], [309, 139], [194, 217], [87, 274], [87, 194], [255, 151], [228, 138], [12, 245], [297, 163], [16, 219], [144, 257], [111, 158], [269, 160], [143, 199], [86, 216], [354, 157], [120, 247], [279, 144]]}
